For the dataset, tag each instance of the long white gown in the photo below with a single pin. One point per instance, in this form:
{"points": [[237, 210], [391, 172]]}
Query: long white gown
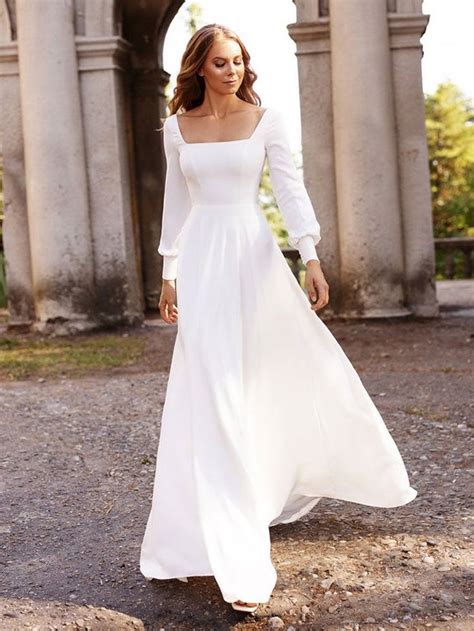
{"points": [[264, 413]]}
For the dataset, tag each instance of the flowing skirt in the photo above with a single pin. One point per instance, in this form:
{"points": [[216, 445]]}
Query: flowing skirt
{"points": [[264, 413]]}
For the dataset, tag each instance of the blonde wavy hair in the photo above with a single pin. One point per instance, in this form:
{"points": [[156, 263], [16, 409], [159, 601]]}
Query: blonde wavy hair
{"points": [[190, 87]]}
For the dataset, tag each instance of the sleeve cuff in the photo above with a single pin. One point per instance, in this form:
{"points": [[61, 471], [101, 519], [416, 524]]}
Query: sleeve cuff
{"points": [[307, 249], [170, 267]]}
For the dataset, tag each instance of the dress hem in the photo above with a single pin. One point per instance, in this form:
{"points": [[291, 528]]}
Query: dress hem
{"points": [[306, 509]]}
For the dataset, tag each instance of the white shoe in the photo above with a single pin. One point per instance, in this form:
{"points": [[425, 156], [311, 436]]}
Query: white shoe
{"points": [[248, 608], [183, 578]]}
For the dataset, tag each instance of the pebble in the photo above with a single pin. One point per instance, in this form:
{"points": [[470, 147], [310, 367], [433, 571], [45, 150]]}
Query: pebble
{"points": [[275, 622], [326, 583], [447, 598]]}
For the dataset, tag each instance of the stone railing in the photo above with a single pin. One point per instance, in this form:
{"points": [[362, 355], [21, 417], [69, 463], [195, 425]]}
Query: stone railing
{"points": [[293, 257], [450, 246]]}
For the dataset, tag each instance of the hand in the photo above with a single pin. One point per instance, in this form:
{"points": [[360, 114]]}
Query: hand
{"points": [[167, 304], [316, 285]]}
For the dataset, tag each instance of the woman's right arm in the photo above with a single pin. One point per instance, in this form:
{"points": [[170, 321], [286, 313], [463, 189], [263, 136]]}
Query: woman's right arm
{"points": [[176, 204]]}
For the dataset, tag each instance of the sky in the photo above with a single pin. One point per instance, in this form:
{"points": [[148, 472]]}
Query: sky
{"points": [[448, 47]]}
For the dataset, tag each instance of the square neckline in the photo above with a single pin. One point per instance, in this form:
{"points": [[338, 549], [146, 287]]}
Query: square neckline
{"points": [[220, 142]]}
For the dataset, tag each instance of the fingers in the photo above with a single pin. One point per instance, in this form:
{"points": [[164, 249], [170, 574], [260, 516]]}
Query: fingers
{"points": [[319, 296], [168, 312]]}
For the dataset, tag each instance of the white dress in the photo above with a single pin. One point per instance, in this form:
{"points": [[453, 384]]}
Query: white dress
{"points": [[264, 413]]}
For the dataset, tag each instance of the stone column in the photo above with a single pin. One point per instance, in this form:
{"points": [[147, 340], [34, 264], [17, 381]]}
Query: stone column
{"points": [[370, 231], [311, 34], [147, 96], [58, 211], [406, 28], [103, 62], [16, 241]]}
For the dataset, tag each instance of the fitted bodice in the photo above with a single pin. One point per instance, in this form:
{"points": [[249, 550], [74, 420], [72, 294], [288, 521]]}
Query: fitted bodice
{"points": [[228, 173], [223, 172]]}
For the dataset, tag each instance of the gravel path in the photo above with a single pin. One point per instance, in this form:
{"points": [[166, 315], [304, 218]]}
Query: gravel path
{"points": [[78, 460]]}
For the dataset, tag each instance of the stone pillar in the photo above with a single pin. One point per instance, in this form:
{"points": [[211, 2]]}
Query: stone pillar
{"points": [[107, 131], [370, 232], [311, 34], [147, 96], [58, 210], [16, 239], [406, 28]]}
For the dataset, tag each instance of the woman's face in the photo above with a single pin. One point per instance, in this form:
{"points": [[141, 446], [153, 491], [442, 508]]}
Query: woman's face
{"points": [[223, 69]]}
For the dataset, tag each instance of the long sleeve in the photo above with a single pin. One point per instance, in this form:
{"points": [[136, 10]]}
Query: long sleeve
{"points": [[176, 204], [290, 192]]}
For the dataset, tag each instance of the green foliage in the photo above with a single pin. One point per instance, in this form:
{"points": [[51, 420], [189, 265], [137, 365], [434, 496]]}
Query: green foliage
{"points": [[450, 135], [272, 212], [269, 206], [194, 17]]}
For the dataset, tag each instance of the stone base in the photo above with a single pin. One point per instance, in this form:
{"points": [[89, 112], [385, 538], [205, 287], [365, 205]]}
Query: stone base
{"points": [[375, 313], [18, 326], [63, 327], [426, 311]]}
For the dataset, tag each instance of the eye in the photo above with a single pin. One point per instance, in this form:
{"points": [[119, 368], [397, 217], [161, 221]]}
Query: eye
{"points": [[237, 63]]}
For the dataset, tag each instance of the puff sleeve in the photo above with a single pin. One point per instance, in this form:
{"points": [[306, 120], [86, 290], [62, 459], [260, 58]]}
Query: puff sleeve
{"points": [[176, 203], [290, 192]]}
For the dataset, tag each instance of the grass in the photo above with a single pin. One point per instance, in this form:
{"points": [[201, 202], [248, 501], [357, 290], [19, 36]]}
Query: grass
{"points": [[424, 413], [27, 358]]}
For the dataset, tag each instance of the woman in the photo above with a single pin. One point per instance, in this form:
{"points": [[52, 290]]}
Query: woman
{"points": [[264, 413]]}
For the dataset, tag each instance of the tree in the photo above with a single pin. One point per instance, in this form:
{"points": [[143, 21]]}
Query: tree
{"points": [[194, 11], [450, 134]]}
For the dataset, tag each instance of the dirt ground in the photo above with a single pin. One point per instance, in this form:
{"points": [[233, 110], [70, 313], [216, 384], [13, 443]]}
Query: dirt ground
{"points": [[78, 459]]}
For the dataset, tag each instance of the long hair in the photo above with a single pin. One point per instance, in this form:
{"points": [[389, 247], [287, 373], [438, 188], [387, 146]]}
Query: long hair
{"points": [[190, 87]]}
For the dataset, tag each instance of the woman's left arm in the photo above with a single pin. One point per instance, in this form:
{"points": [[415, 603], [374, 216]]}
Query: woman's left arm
{"points": [[304, 231]]}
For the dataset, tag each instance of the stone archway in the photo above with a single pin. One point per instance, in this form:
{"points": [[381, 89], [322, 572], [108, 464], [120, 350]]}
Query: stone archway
{"points": [[82, 83], [145, 27], [365, 152], [142, 26], [82, 88]]}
